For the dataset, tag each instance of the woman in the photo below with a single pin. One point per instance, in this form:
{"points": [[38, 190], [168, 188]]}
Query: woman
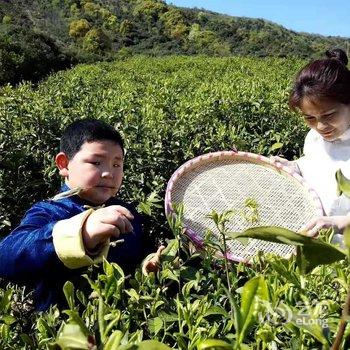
{"points": [[321, 92]]}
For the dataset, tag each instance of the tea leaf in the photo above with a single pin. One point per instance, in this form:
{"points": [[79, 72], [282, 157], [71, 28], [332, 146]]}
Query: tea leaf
{"points": [[343, 184], [216, 310], [76, 319], [214, 344], [68, 290], [168, 274], [253, 292], [310, 325], [170, 251], [346, 235], [313, 251], [155, 325], [72, 337], [113, 340], [145, 345], [276, 145], [73, 192]]}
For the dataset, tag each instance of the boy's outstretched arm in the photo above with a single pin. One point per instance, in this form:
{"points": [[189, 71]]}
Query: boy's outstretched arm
{"points": [[28, 252], [48, 240]]}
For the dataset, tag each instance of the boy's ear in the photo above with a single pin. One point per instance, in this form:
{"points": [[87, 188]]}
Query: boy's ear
{"points": [[62, 161]]}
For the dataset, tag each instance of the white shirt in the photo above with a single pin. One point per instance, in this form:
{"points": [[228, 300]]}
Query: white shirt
{"points": [[318, 166]]}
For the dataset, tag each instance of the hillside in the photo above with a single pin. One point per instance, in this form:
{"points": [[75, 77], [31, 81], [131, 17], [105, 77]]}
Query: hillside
{"points": [[41, 36], [168, 109]]}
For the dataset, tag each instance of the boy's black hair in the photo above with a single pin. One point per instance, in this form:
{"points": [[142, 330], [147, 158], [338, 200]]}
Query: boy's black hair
{"points": [[87, 130]]}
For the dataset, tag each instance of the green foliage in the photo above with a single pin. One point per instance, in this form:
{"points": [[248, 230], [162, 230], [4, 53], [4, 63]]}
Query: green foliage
{"points": [[343, 184], [150, 27], [254, 292], [91, 9], [96, 40], [79, 28], [174, 23], [210, 344], [71, 337], [168, 110], [6, 19], [28, 56], [206, 41], [150, 10], [16, 317], [126, 27], [277, 307], [311, 252]]}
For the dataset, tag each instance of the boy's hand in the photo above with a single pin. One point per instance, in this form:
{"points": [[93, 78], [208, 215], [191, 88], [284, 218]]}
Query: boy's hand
{"points": [[152, 261], [105, 223]]}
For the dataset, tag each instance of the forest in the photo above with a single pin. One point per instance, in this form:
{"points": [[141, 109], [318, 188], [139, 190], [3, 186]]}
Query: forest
{"points": [[42, 36]]}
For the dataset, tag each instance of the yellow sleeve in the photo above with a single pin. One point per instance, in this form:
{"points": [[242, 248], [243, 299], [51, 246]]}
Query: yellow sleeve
{"points": [[68, 242]]}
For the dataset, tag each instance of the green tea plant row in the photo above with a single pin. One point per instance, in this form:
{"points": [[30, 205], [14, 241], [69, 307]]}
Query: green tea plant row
{"points": [[191, 303], [169, 110]]}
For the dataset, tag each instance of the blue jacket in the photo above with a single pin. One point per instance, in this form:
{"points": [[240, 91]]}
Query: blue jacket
{"points": [[28, 256]]}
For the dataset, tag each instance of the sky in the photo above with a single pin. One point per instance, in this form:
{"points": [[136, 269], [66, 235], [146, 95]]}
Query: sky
{"points": [[326, 17]]}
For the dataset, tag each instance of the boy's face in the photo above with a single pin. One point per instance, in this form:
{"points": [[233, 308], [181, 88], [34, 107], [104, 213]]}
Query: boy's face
{"points": [[97, 168]]}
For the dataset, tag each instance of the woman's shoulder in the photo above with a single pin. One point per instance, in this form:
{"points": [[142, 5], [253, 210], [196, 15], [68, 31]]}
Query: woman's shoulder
{"points": [[313, 143], [313, 137]]}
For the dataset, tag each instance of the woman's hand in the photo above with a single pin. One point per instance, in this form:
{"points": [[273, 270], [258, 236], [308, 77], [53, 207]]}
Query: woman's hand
{"points": [[291, 164], [316, 224]]}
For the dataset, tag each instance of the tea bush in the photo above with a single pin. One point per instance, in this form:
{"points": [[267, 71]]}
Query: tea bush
{"points": [[186, 305], [168, 110]]}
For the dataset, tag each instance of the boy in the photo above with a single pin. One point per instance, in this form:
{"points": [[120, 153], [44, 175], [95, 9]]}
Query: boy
{"points": [[56, 237]]}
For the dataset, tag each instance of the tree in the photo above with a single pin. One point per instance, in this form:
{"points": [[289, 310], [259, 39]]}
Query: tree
{"points": [[149, 10], [126, 27], [174, 24], [91, 10], [79, 28], [6, 19], [206, 41], [96, 41]]}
